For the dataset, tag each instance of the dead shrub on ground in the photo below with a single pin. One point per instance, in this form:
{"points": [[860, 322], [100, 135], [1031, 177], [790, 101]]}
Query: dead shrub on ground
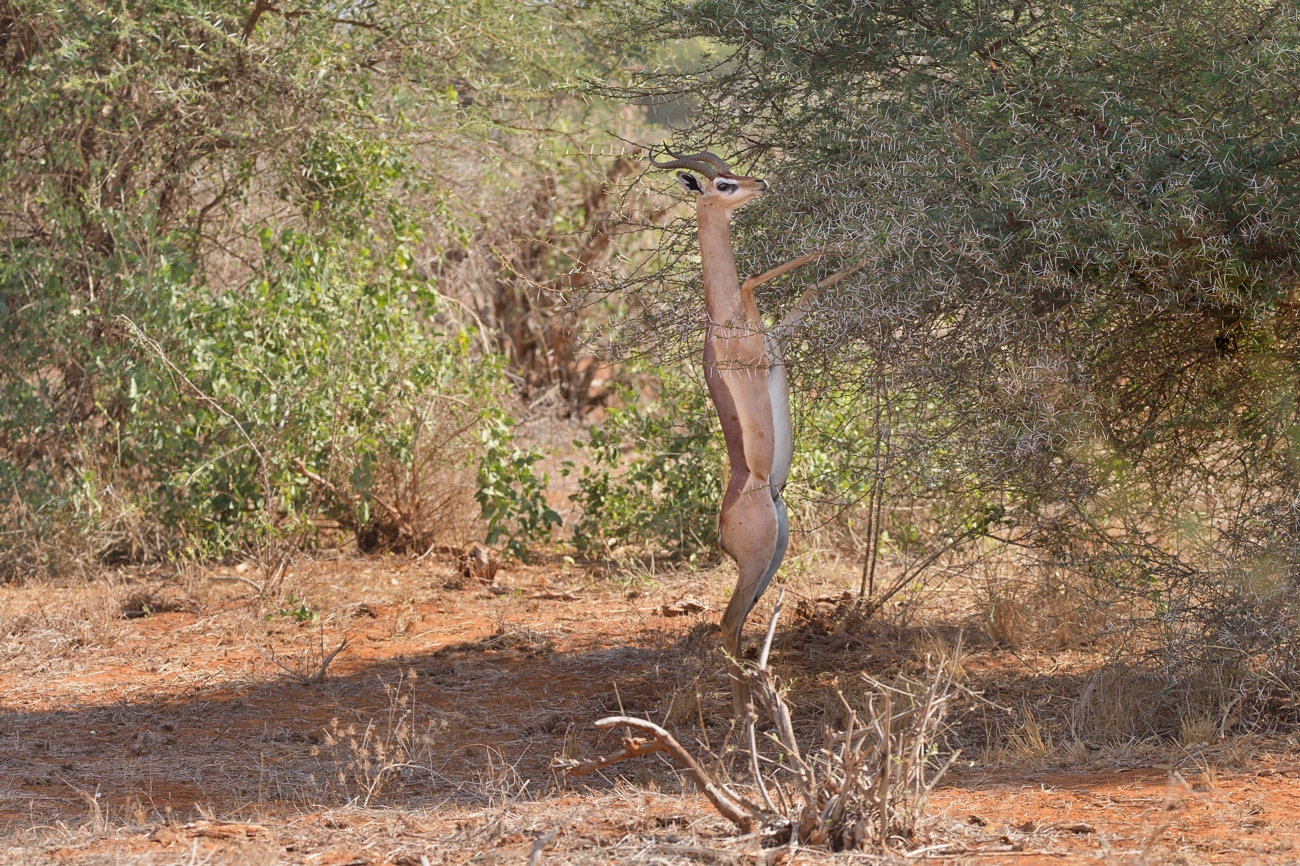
{"points": [[864, 785], [407, 499], [144, 601], [309, 664], [840, 622]]}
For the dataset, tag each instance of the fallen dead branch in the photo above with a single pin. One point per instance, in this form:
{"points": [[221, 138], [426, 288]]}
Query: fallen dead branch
{"points": [[865, 786], [739, 811], [253, 585], [310, 671], [545, 593]]}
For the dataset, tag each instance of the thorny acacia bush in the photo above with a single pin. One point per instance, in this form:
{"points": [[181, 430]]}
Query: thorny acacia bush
{"points": [[217, 234], [1077, 328]]}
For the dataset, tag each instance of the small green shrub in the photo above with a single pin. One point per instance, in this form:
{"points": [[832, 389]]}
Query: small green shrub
{"points": [[323, 387], [511, 498], [656, 474], [298, 610]]}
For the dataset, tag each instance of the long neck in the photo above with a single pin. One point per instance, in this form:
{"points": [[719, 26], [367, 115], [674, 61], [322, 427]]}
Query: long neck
{"points": [[722, 296]]}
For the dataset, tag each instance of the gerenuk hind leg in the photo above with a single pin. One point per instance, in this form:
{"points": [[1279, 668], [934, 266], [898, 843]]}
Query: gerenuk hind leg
{"points": [[754, 531]]}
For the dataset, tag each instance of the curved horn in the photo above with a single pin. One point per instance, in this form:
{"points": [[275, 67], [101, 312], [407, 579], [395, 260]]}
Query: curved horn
{"points": [[705, 163], [713, 158], [705, 155]]}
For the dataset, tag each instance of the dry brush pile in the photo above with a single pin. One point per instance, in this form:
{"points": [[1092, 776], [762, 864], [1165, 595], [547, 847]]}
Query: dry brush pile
{"points": [[863, 786]]}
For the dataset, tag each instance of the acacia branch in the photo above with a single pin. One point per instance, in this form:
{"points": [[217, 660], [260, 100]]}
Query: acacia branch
{"points": [[743, 814], [914, 571], [250, 25]]}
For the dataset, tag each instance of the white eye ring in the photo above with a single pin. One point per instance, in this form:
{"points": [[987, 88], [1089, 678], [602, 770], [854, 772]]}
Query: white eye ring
{"points": [[724, 186]]}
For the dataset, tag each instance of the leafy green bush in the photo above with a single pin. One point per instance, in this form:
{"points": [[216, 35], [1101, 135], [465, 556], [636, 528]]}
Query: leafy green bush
{"points": [[219, 323], [512, 498], [323, 385], [656, 474], [323, 389]]}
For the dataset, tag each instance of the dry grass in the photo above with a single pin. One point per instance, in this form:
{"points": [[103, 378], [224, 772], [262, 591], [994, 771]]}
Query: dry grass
{"points": [[1197, 731], [1120, 702], [1008, 623], [204, 751], [1030, 741], [1114, 705], [1019, 613]]}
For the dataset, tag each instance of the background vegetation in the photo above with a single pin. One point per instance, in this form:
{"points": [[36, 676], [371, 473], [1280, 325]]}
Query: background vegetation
{"points": [[268, 273], [229, 282]]}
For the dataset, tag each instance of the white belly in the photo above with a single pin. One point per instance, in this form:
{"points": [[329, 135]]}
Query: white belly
{"points": [[778, 388]]}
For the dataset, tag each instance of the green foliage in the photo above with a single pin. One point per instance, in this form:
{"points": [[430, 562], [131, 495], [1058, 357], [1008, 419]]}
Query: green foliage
{"points": [[298, 610], [655, 476], [216, 227], [327, 365], [511, 498]]}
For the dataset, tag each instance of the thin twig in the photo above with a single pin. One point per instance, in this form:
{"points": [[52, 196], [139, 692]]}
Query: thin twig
{"points": [[224, 579], [320, 480], [402, 523], [753, 762], [868, 588], [743, 815], [319, 675], [915, 571], [543, 840]]}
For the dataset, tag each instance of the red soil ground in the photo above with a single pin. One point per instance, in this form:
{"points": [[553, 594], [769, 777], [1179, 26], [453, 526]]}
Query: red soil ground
{"points": [[186, 731]]}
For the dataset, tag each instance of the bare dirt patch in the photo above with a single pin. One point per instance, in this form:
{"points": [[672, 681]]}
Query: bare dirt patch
{"points": [[155, 718]]}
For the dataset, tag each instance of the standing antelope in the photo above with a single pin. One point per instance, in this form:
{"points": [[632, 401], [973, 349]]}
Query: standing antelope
{"points": [[745, 371]]}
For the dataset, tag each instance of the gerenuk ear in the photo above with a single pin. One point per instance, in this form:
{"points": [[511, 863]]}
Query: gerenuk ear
{"points": [[690, 182]]}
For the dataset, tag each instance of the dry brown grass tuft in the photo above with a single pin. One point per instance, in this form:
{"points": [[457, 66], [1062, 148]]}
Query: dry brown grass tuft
{"points": [[388, 755], [1120, 702], [65, 620], [1008, 622], [1029, 741], [1195, 731], [1115, 705], [1052, 615], [933, 649]]}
